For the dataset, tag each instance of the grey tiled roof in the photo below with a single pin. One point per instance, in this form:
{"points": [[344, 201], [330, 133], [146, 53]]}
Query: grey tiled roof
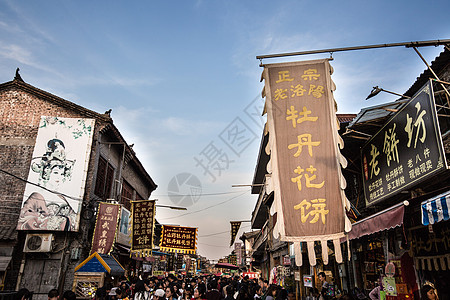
{"points": [[8, 232]]}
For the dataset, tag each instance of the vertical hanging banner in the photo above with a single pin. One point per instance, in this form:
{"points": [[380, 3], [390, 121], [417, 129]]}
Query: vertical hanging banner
{"points": [[305, 160], [234, 230], [178, 239], [105, 228], [143, 222]]}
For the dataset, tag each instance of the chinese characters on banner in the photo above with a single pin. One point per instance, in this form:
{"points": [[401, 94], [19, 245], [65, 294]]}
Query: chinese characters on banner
{"points": [[407, 150], [234, 230], [105, 228], [305, 160], [178, 239], [143, 221]]}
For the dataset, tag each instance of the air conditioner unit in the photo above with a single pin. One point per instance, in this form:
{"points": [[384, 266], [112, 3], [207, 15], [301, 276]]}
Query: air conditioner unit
{"points": [[38, 242]]}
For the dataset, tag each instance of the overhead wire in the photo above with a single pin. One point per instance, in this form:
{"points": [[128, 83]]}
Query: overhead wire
{"points": [[213, 245], [38, 185], [203, 209], [200, 195], [206, 235], [75, 198]]}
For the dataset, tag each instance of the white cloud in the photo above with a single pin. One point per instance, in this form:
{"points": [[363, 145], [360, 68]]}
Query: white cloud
{"points": [[186, 127], [16, 53], [12, 28], [23, 56], [28, 23], [133, 82]]}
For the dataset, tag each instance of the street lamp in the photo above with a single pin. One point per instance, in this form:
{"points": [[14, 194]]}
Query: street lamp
{"points": [[376, 90], [171, 207]]}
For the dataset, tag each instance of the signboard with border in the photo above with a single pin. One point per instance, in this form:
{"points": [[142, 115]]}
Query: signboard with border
{"points": [[407, 150]]}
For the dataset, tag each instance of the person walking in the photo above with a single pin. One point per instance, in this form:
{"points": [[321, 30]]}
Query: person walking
{"points": [[159, 295], [428, 293], [171, 293], [325, 286], [271, 292], [199, 292], [375, 292], [229, 289], [53, 294], [140, 292]]}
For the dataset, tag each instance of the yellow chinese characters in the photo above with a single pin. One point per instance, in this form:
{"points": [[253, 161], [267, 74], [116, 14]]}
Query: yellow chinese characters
{"points": [[317, 212], [374, 169], [283, 76], [390, 145], [419, 123], [297, 90], [304, 140], [280, 94], [142, 240], [310, 74], [105, 225], [102, 243], [316, 91], [308, 178], [299, 117]]}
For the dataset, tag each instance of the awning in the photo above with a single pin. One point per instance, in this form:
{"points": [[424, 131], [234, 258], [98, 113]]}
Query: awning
{"points": [[4, 262], [101, 263], [429, 262], [383, 220], [436, 209]]}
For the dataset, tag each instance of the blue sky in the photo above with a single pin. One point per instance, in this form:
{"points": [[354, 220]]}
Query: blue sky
{"points": [[178, 74]]}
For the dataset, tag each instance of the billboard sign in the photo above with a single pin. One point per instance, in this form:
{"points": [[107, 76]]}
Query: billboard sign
{"points": [[57, 175], [124, 233]]}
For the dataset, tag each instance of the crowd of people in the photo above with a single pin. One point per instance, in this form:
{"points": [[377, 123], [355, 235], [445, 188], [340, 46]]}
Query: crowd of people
{"points": [[196, 288], [207, 288]]}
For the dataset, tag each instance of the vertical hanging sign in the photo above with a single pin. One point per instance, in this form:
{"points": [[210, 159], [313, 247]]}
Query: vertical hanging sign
{"points": [[234, 230], [305, 159], [143, 221], [105, 228]]}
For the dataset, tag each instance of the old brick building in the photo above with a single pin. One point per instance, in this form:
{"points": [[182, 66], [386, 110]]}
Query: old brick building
{"points": [[112, 173]]}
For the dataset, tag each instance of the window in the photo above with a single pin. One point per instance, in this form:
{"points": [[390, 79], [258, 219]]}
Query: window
{"points": [[104, 180], [127, 195]]}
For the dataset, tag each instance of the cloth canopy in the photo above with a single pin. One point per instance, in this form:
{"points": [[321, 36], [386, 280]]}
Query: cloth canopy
{"points": [[386, 219], [436, 209]]}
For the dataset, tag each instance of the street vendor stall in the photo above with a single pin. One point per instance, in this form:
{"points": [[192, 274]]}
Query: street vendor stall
{"points": [[93, 273]]}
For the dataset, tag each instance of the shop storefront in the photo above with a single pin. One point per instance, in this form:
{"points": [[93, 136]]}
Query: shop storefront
{"points": [[380, 253], [430, 244], [94, 272]]}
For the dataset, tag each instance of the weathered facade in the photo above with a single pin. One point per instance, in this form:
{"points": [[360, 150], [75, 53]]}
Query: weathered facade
{"points": [[114, 173]]}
